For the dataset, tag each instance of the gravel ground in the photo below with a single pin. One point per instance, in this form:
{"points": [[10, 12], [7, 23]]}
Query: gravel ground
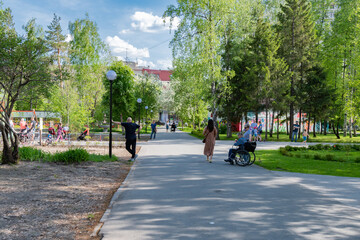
{"points": [[54, 201]]}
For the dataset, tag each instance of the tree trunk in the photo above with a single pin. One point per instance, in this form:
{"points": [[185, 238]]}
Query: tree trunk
{"points": [[308, 126], [314, 127], [345, 126], [291, 119], [10, 154], [266, 123], [336, 133], [272, 123], [299, 132], [325, 127], [350, 128], [354, 128], [278, 127], [287, 124], [229, 129]]}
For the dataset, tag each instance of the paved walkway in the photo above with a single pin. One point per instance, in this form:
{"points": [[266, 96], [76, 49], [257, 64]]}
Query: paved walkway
{"points": [[173, 193]]}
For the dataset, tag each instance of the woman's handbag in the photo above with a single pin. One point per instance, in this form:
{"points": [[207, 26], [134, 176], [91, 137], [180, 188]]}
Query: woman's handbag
{"points": [[204, 140]]}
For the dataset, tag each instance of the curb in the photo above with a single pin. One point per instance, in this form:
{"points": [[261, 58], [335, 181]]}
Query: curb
{"points": [[97, 229]]}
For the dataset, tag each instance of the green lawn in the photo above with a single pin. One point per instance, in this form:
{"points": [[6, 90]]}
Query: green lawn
{"points": [[304, 162], [329, 138]]}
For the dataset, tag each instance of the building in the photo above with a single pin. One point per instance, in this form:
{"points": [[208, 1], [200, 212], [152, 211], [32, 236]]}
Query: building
{"points": [[163, 75]]}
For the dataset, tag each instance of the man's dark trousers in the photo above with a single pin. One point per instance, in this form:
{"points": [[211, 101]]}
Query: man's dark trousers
{"points": [[132, 143]]}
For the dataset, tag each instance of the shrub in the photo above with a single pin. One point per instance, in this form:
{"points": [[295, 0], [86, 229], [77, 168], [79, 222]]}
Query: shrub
{"points": [[223, 129], [327, 147], [284, 152], [338, 147], [317, 156], [330, 157], [357, 160], [356, 147], [31, 154], [71, 156]]}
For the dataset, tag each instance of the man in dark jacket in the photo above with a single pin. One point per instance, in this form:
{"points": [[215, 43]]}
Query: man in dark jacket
{"points": [[130, 136]]}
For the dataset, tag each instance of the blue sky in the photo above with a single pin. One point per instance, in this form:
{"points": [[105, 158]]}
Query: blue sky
{"points": [[132, 26]]}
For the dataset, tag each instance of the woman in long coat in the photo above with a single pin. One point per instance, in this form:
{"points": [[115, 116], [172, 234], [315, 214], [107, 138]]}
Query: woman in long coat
{"points": [[210, 133]]}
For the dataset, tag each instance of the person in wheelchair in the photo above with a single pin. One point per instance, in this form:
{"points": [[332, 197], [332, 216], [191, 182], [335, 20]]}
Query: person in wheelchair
{"points": [[243, 138]]}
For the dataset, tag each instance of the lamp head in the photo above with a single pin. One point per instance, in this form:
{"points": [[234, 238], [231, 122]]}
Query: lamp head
{"points": [[111, 75]]}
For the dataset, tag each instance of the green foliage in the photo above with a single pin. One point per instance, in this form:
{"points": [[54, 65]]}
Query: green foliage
{"points": [[71, 156], [222, 129], [31, 154]]}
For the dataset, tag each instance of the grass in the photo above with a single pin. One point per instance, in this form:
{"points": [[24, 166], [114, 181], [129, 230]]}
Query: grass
{"points": [[341, 163], [329, 138]]}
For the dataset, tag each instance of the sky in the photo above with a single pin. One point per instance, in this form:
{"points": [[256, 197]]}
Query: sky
{"points": [[132, 28]]}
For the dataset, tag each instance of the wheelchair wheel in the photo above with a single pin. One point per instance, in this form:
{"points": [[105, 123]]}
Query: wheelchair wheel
{"points": [[241, 157], [252, 160]]}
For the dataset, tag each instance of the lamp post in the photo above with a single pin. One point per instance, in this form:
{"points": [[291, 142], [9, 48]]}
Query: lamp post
{"points": [[146, 108], [111, 76], [139, 100]]}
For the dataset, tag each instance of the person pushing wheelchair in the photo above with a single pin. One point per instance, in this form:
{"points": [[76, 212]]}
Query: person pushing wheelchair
{"points": [[243, 138]]}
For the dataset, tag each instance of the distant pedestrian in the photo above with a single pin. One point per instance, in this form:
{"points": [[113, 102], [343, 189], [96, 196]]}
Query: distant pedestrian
{"points": [[130, 136], [59, 132], [210, 133], [259, 129], [295, 131], [167, 125], [153, 130], [305, 136]]}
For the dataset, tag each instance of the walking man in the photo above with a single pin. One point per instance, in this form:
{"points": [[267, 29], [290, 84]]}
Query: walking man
{"points": [[130, 136], [153, 129], [295, 131]]}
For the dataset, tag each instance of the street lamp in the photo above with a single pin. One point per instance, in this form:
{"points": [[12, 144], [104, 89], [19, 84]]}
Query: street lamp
{"points": [[111, 76], [146, 108], [139, 101]]}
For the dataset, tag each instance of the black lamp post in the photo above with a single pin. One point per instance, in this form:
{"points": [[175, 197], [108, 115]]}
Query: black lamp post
{"points": [[139, 101], [146, 108], [111, 76]]}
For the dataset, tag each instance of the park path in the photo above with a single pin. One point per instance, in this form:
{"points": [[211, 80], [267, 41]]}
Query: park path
{"points": [[173, 193]]}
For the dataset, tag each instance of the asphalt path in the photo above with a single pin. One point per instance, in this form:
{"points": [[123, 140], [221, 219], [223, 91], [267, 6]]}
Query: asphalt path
{"points": [[172, 192]]}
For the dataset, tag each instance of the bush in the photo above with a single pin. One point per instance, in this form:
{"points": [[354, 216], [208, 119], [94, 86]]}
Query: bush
{"points": [[31, 154], [223, 129], [338, 147], [357, 160], [71, 156], [356, 147], [284, 152], [317, 156], [330, 157]]}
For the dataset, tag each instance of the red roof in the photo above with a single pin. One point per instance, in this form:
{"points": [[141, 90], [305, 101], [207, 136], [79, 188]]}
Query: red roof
{"points": [[164, 75]]}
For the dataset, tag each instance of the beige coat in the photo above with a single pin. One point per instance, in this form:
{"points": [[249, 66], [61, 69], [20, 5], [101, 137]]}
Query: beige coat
{"points": [[210, 141]]}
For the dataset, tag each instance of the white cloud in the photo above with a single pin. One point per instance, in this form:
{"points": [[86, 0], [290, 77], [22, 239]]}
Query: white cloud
{"points": [[125, 31], [147, 22], [146, 64], [123, 48], [164, 64], [68, 38]]}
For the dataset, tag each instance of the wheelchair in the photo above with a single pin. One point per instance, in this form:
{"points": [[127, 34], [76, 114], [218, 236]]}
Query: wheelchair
{"points": [[244, 155]]}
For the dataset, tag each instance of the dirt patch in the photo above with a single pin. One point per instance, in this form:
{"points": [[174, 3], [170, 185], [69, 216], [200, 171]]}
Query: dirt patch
{"points": [[54, 201]]}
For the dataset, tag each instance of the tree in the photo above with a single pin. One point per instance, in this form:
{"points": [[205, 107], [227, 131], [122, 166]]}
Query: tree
{"points": [[23, 61], [87, 53], [296, 31], [123, 91]]}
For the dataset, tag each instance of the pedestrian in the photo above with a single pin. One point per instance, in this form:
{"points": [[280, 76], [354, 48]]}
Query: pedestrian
{"points": [[153, 129], [167, 125], [59, 132], [32, 128], [253, 128], [259, 129], [23, 125], [295, 131], [210, 133], [305, 136], [130, 136]]}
